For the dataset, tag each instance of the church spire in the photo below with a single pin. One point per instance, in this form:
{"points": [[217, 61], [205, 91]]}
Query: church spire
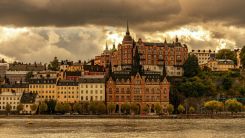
{"points": [[127, 32], [106, 46]]}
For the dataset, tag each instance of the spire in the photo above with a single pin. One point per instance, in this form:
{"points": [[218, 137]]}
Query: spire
{"points": [[114, 47], [106, 46], [165, 41], [177, 39], [127, 32]]}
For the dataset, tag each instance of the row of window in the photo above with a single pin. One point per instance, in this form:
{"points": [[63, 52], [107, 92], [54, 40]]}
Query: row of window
{"points": [[42, 86], [9, 98], [9, 102], [91, 86], [3, 107]]}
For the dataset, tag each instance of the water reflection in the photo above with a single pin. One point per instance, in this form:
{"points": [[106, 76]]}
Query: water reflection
{"points": [[104, 128]]}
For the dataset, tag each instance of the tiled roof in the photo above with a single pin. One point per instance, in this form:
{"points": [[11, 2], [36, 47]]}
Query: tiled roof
{"points": [[67, 83], [17, 85], [42, 81], [91, 80]]}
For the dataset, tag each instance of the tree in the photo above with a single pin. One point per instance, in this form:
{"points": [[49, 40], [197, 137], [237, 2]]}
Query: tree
{"points": [[191, 109], [85, 107], [59, 108], [54, 65], [8, 108], [181, 108], [146, 109], [213, 106], [242, 56], [28, 76], [20, 107], [191, 67], [111, 108], [92, 107], [51, 105], [67, 107], [101, 108], [134, 108], [227, 54], [158, 108], [77, 107], [170, 108], [227, 83], [125, 108], [233, 105], [33, 107], [43, 107]]}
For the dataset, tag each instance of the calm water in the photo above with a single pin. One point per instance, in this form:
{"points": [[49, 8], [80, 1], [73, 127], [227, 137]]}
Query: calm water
{"points": [[104, 128]]}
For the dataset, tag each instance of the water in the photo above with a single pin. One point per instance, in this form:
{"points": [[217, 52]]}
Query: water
{"points": [[122, 128]]}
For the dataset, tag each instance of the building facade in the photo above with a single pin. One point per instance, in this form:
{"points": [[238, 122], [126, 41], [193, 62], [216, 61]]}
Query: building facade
{"points": [[11, 98], [67, 91], [203, 56], [28, 100], [92, 89], [220, 65], [44, 87], [147, 89]]}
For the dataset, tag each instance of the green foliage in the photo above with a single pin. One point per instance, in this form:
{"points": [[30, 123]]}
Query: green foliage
{"points": [[125, 108], [33, 107], [111, 108], [43, 107], [28, 76], [227, 54], [20, 107], [242, 56], [51, 105], [191, 109], [181, 108], [59, 108], [214, 106], [54, 65], [92, 107], [100, 108], [233, 105], [191, 67], [134, 108], [85, 108], [170, 108], [227, 83], [158, 108], [67, 107], [77, 107], [8, 108], [146, 109], [242, 91]]}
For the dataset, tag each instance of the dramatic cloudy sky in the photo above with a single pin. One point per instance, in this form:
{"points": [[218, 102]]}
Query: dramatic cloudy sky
{"points": [[38, 30]]}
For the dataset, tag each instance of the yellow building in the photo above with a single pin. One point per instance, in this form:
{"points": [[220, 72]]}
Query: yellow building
{"points": [[67, 91], [220, 64], [44, 87], [18, 88]]}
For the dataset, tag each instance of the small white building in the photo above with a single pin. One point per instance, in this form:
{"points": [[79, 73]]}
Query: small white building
{"points": [[92, 89], [203, 55], [11, 98]]}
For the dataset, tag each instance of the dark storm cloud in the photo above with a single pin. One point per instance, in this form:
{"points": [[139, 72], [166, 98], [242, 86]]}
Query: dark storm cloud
{"points": [[79, 12]]}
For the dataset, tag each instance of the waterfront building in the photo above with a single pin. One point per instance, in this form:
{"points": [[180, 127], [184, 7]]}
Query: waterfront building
{"points": [[44, 87], [67, 91], [92, 88], [11, 98], [28, 100]]}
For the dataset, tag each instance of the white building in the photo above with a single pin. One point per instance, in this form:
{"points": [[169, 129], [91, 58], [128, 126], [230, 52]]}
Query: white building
{"points": [[203, 55], [92, 89], [3, 68], [11, 98]]}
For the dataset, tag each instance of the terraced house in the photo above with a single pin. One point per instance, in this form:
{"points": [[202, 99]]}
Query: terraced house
{"points": [[44, 87], [67, 91]]}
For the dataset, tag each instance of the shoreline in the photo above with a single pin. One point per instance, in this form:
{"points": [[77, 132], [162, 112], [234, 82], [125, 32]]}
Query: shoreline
{"points": [[121, 116]]}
